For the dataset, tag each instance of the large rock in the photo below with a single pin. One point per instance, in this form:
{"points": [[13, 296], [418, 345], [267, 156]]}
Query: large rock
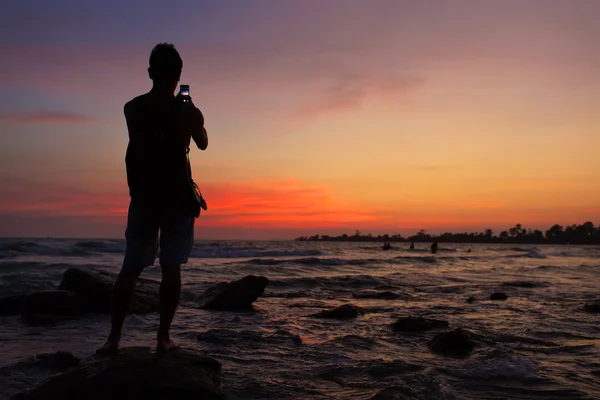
{"points": [[26, 373], [11, 305], [498, 296], [592, 307], [135, 373], [59, 302], [49, 306], [94, 288], [417, 324], [345, 311], [236, 295], [458, 341]]}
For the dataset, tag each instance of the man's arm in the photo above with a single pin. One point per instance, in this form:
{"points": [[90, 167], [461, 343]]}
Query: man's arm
{"points": [[129, 117], [195, 125]]}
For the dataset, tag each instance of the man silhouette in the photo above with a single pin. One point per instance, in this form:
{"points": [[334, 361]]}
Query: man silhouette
{"points": [[434, 247], [160, 127]]}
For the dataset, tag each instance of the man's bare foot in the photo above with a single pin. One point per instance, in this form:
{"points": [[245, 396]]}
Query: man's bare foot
{"points": [[110, 347], [165, 345]]}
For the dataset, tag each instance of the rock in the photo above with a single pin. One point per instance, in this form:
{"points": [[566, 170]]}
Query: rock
{"points": [[50, 306], [471, 299], [16, 378], [236, 295], [135, 373], [95, 287], [417, 324], [593, 307], [458, 341], [373, 294], [60, 360], [498, 296], [11, 305], [57, 302], [342, 312]]}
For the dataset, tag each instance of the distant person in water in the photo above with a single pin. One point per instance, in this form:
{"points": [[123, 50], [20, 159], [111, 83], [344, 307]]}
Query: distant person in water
{"points": [[434, 247], [412, 245], [161, 126]]}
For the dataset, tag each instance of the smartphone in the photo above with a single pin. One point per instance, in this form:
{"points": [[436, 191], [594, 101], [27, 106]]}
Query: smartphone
{"points": [[184, 91]]}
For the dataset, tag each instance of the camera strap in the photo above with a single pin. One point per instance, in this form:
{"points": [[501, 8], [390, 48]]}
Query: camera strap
{"points": [[195, 188], [187, 156]]}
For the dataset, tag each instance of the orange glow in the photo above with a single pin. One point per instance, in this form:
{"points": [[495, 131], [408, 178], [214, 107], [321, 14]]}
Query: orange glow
{"points": [[291, 204]]}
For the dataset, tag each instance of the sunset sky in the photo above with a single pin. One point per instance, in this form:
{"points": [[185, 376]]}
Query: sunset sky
{"points": [[323, 116]]}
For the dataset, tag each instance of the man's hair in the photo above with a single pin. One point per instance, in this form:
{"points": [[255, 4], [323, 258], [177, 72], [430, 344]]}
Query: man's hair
{"points": [[165, 62]]}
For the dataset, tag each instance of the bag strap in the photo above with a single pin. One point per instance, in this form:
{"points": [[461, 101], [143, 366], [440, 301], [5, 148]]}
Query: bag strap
{"points": [[189, 166], [202, 201]]}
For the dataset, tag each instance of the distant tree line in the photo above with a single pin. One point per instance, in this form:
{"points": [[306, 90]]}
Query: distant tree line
{"points": [[585, 233]]}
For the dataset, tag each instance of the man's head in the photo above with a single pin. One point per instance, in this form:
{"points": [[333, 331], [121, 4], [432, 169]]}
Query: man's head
{"points": [[165, 65]]}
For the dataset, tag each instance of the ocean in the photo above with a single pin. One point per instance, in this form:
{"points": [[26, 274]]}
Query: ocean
{"points": [[540, 344]]}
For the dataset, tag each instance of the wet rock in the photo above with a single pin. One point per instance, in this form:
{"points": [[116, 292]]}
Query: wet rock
{"points": [[58, 302], [458, 341], [592, 307], [345, 311], [471, 299], [498, 296], [94, 288], [11, 305], [234, 295], [374, 294], [135, 373], [418, 324], [50, 306], [59, 361], [20, 376]]}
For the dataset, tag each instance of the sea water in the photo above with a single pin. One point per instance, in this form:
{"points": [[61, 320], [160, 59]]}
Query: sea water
{"points": [[541, 344]]}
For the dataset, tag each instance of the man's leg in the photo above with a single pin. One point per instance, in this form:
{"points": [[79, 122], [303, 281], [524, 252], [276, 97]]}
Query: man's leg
{"points": [[141, 237], [121, 299], [176, 242], [170, 289]]}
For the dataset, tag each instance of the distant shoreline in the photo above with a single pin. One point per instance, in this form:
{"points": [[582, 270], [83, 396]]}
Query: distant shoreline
{"points": [[585, 233]]}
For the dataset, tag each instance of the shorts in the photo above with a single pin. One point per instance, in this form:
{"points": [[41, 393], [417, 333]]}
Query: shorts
{"points": [[176, 226]]}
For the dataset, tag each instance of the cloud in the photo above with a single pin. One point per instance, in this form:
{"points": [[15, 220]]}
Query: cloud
{"points": [[46, 118], [351, 91], [37, 199]]}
